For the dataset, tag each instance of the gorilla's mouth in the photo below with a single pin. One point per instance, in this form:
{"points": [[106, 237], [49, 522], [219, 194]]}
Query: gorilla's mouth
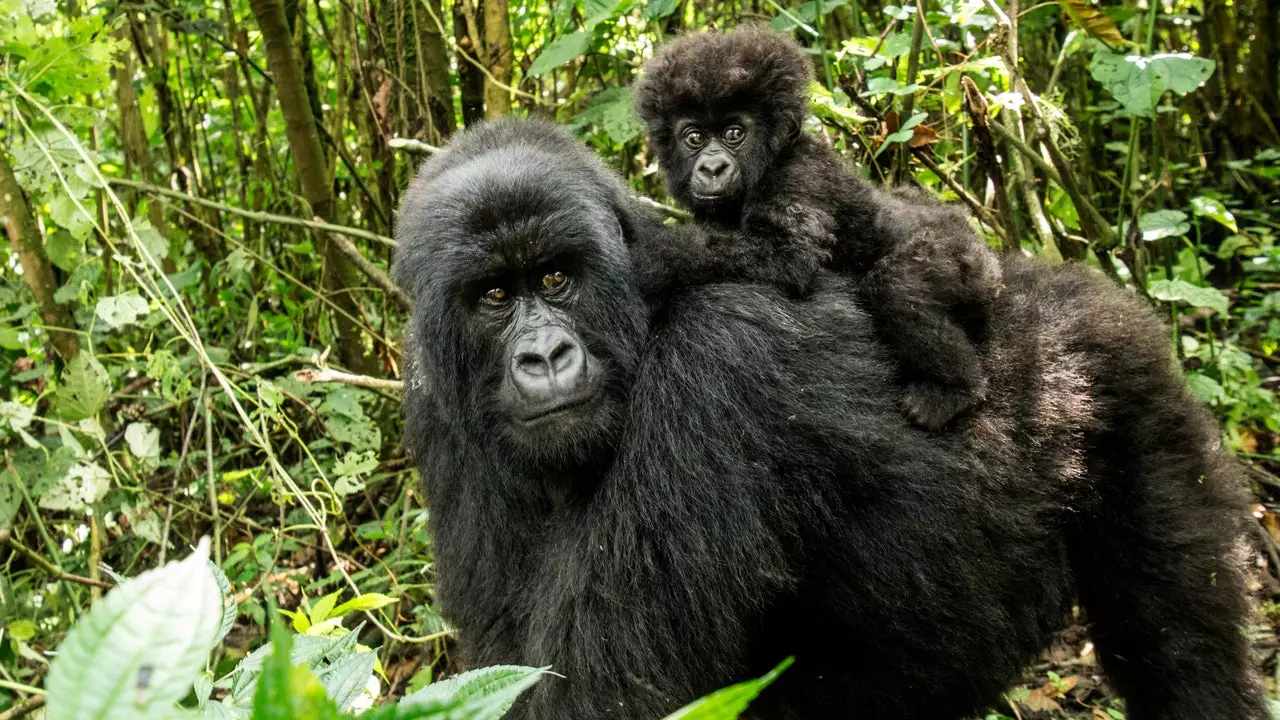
{"points": [[563, 406]]}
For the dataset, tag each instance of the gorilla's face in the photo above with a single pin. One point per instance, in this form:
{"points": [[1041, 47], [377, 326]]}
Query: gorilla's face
{"points": [[714, 161], [526, 321]]}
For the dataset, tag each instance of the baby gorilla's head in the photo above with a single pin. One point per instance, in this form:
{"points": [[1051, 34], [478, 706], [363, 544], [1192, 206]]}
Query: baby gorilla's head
{"points": [[720, 107]]}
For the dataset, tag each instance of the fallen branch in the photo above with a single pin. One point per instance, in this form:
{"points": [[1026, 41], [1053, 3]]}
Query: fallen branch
{"points": [[24, 708], [411, 145], [323, 375], [255, 215], [6, 536]]}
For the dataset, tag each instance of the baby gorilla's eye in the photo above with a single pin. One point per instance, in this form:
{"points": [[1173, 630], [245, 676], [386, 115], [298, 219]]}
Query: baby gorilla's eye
{"points": [[497, 296], [734, 134], [554, 281], [695, 138]]}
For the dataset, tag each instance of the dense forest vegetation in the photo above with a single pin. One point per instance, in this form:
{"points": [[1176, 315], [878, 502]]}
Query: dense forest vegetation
{"points": [[199, 337]]}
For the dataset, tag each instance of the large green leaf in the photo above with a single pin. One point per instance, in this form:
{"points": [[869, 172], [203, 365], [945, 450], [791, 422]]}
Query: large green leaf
{"points": [[118, 311], [82, 391], [560, 51], [1193, 295], [482, 694], [1162, 224], [1208, 207], [83, 485], [138, 650], [286, 691], [729, 703], [613, 111], [1138, 81]]}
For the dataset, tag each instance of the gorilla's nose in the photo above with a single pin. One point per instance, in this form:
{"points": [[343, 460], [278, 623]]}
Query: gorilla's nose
{"points": [[713, 167], [548, 365]]}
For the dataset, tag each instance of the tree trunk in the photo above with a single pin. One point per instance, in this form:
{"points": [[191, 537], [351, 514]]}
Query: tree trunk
{"points": [[437, 94], [133, 133], [498, 57], [470, 79], [309, 162], [24, 236]]}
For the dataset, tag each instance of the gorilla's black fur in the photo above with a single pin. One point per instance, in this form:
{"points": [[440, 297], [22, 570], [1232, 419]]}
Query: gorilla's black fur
{"points": [[724, 112], [748, 488]]}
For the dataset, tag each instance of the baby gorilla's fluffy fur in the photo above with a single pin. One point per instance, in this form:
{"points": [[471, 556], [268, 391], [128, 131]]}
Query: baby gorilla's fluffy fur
{"points": [[927, 279]]}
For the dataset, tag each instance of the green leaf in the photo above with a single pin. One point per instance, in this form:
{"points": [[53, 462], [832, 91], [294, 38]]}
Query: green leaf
{"points": [[118, 311], [82, 486], [143, 521], [64, 250], [896, 45], [1193, 295], [150, 238], [654, 9], [560, 51], [10, 497], [729, 703], [345, 680], [613, 111], [22, 629], [138, 650], [1162, 224], [368, 601], [1205, 389], [323, 609], [1137, 81], [63, 211], [1208, 207], [82, 391], [143, 440], [481, 694], [288, 692]]}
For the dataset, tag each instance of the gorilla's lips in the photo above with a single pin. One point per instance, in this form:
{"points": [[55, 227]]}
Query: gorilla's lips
{"points": [[563, 405]]}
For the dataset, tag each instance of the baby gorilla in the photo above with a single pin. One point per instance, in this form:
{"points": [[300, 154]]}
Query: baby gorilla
{"points": [[773, 204]]}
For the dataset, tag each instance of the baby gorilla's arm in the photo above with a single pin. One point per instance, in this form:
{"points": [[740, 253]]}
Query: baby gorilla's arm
{"points": [[930, 297], [783, 248]]}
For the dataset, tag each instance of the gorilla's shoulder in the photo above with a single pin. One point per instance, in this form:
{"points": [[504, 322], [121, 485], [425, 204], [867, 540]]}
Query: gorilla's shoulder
{"points": [[827, 333]]}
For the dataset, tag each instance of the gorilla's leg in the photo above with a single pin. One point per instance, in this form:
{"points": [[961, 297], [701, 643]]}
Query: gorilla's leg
{"points": [[1156, 551]]}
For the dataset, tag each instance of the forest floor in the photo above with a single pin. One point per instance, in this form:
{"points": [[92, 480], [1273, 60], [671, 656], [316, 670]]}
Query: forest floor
{"points": [[1068, 682]]}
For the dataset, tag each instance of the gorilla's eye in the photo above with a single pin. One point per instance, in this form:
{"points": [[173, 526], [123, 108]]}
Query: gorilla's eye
{"points": [[734, 134], [695, 138], [497, 296], [554, 281]]}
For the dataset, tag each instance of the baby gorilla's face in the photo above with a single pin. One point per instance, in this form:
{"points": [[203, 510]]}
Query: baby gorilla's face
{"points": [[713, 162]]}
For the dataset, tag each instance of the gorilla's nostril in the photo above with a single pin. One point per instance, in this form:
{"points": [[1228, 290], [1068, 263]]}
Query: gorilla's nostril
{"points": [[564, 357], [532, 364]]}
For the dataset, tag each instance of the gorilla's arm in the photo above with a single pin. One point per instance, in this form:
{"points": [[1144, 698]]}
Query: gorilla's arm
{"points": [[651, 589], [691, 255]]}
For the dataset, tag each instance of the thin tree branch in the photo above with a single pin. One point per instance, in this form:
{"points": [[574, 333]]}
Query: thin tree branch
{"points": [[323, 375], [373, 272], [23, 709], [6, 536], [256, 216]]}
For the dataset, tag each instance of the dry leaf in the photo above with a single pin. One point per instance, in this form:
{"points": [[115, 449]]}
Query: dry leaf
{"points": [[1096, 22], [1041, 699], [922, 135]]}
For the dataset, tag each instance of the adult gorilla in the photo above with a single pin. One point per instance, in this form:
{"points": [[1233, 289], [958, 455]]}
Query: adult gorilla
{"points": [[657, 513]]}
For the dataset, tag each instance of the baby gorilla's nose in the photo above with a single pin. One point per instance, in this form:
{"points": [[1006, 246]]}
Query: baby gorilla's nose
{"points": [[547, 366], [713, 168]]}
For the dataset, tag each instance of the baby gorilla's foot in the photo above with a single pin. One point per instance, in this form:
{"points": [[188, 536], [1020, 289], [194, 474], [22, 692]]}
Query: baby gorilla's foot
{"points": [[932, 405]]}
